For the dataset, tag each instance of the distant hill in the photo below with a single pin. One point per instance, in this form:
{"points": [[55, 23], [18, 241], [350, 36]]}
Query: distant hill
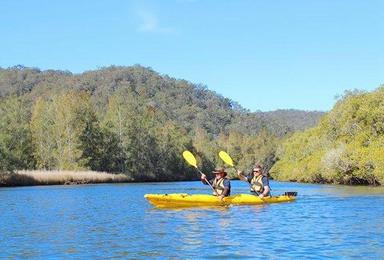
{"points": [[191, 105], [295, 120], [131, 120]]}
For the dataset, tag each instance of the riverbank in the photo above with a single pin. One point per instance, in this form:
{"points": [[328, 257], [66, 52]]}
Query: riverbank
{"points": [[32, 178], [39, 177]]}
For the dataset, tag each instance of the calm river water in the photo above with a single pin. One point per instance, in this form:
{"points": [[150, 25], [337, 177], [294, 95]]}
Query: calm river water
{"points": [[114, 220]]}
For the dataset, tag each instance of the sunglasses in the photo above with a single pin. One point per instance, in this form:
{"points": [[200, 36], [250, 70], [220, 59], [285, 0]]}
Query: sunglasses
{"points": [[256, 171]]}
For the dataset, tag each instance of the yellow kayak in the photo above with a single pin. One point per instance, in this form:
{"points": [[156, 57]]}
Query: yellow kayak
{"points": [[198, 200]]}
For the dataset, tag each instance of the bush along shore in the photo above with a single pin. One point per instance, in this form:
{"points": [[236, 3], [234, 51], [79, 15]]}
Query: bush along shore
{"points": [[30, 178], [346, 147]]}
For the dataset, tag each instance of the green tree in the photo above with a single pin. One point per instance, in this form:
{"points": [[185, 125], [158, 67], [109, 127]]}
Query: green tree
{"points": [[15, 135], [57, 126], [346, 147], [41, 125], [121, 120]]}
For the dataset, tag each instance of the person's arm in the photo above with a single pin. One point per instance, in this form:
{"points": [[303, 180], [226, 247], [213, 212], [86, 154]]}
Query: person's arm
{"points": [[266, 187], [265, 192], [241, 176], [204, 179], [225, 193], [227, 188]]}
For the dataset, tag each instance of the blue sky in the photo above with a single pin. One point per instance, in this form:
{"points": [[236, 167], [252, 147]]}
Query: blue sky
{"points": [[263, 54]]}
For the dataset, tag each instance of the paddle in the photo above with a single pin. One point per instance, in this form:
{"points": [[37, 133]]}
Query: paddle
{"points": [[228, 160], [190, 158]]}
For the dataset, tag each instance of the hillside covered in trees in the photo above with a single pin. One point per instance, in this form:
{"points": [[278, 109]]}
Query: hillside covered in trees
{"points": [[346, 147], [130, 120]]}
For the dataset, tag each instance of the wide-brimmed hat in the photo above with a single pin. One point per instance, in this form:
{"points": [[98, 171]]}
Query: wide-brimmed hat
{"points": [[220, 170]]}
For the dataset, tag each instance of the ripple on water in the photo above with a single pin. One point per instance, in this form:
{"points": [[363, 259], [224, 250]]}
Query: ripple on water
{"points": [[115, 221]]}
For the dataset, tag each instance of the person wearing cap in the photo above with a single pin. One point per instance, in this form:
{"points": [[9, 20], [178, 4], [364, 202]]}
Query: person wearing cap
{"points": [[259, 183], [220, 183]]}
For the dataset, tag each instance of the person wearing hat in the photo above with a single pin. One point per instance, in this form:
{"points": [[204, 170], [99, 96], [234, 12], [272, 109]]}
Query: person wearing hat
{"points": [[220, 183], [259, 183]]}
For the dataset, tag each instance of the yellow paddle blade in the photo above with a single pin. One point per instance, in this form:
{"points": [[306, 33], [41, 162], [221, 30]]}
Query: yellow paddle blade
{"points": [[226, 158], [188, 156]]}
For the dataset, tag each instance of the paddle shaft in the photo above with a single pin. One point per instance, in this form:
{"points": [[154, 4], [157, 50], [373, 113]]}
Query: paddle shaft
{"points": [[191, 160], [207, 181]]}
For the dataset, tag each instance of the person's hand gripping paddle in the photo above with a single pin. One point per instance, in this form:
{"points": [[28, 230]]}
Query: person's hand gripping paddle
{"points": [[191, 160]]}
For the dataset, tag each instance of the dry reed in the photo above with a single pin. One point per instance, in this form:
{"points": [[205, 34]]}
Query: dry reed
{"points": [[29, 178]]}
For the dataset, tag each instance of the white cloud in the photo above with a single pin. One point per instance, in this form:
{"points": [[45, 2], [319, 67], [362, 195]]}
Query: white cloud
{"points": [[149, 22]]}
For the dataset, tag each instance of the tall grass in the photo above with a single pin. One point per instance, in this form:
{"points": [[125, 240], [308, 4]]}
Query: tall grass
{"points": [[29, 178]]}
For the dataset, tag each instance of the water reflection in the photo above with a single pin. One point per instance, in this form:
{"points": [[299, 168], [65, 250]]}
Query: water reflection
{"points": [[349, 191]]}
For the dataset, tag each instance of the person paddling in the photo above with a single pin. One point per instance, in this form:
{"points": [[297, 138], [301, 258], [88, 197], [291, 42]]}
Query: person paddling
{"points": [[220, 183], [258, 182]]}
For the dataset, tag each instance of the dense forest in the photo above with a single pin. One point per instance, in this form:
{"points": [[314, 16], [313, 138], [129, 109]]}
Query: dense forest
{"points": [[346, 147], [130, 120]]}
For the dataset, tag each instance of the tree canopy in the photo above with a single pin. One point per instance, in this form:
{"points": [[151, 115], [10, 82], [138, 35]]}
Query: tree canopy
{"points": [[346, 147], [131, 120]]}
